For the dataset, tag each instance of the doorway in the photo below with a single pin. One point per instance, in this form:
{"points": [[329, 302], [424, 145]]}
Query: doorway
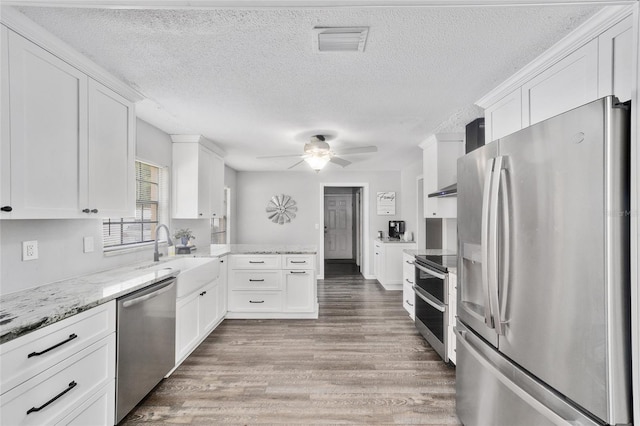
{"points": [[342, 227]]}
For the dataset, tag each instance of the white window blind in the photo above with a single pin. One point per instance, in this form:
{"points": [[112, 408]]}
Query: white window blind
{"points": [[151, 209]]}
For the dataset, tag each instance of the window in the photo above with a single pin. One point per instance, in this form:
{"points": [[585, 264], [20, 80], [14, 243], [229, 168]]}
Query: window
{"points": [[150, 208]]}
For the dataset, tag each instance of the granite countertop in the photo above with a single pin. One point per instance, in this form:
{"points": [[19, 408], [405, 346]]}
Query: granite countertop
{"points": [[392, 241], [34, 308], [222, 249]]}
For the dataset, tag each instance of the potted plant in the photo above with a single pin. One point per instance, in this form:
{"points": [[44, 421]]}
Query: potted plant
{"points": [[184, 235]]}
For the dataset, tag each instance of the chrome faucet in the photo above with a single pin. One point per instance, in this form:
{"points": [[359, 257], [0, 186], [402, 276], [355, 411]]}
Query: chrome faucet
{"points": [[156, 253]]}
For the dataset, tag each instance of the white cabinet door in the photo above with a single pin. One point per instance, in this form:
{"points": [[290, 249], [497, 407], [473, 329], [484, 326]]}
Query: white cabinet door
{"points": [[208, 299], [299, 291], [378, 260], [440, 156], [48, 104], [205, 160], [99, 409], [187, 322], [217, 186], [111, 154], [575, 77], [504, 117], [192, 178], [224, 286], [5, 134], [615, 56]]}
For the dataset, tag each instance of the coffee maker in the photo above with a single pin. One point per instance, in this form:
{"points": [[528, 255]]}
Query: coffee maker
{"points": [[396, 229]]}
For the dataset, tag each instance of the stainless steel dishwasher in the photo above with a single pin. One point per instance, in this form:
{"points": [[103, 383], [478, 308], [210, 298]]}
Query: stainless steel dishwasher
{"points": [[146, 337]]}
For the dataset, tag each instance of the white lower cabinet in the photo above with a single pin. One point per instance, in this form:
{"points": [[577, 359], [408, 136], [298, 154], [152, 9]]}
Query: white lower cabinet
{"points": [[388, 262], [408, 277], [197, 314], [74, 378], [260, 288]]}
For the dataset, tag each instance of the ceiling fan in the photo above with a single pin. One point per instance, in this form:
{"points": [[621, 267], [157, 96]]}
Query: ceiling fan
{"points": [[317, 153]]}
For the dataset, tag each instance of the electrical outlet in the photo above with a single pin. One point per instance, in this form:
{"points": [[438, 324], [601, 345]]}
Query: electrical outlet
{"points": [[29, 250]]}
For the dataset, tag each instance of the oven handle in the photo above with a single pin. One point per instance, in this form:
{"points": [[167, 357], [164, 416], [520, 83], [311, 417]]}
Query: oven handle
{"points": [[427, 299], [429, 271]]}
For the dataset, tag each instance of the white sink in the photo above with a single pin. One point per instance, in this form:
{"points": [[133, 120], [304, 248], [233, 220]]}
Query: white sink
{"points": [[194, 272]]}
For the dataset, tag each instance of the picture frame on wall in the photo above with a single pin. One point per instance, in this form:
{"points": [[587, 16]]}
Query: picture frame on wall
{"points": [[386, 203]]}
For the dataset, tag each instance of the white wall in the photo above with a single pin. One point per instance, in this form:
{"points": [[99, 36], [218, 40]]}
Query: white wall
{"points": [[230, 181], [60, 242], [254, 190], [408, 177]]}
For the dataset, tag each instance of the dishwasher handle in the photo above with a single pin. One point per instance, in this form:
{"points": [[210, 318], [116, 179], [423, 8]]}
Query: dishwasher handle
{"points": [[157, 292]]}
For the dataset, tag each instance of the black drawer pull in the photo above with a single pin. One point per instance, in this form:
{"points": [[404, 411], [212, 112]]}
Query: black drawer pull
{"points": [[35, 410], [298, 272], [409, 303], [71, 337], [94, 210], [6, 208], [296, 261], [407, 280], [256, 301], [256, 281], [203, 293], [86, 211], [256, 261], [409, 262]]}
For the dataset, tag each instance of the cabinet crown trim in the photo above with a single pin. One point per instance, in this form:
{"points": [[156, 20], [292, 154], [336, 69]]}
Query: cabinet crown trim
{"points": [[28, 29], [442, 137], [586, 32]]}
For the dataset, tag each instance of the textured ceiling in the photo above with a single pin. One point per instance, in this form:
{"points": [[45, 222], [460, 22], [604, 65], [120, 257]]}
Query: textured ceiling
{"points": [[250, 81]]}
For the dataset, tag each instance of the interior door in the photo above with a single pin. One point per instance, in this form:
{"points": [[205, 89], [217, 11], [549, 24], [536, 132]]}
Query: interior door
{"points": [[338, 222]]}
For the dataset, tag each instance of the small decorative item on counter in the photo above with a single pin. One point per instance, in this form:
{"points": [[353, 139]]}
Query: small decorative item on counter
{"points": [[184, 235]]}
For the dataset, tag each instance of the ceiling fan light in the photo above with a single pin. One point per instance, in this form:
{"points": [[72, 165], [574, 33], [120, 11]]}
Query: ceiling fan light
{"points": [[317, 161]]}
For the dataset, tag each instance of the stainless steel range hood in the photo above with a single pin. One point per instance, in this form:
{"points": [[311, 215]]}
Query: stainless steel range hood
{"points": [[447, 191]]}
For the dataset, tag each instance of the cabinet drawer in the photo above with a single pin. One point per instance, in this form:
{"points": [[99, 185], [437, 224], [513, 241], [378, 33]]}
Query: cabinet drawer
{"points": [[252, 280], [98, 409], [255, 301], [267, 261], [49, 396], [301, 261], [26, 356]]}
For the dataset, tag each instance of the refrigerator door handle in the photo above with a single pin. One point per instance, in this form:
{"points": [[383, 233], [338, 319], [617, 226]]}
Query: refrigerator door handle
{"points": [[506, 381], [484, 239], [506, 238], [493, 245]]}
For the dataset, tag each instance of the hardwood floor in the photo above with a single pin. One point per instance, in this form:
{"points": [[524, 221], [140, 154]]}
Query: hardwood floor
{"points": [[361, 362]]}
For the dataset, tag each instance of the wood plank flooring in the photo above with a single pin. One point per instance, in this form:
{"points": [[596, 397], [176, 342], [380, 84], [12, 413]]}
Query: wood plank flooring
{"points": [[361, 362]]}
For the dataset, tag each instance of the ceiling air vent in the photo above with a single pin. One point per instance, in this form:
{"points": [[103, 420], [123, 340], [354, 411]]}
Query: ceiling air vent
{"points": [[340, 39]]}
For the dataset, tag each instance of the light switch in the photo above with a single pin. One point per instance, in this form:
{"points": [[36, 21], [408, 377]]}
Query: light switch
{"points": [[88, 244]]}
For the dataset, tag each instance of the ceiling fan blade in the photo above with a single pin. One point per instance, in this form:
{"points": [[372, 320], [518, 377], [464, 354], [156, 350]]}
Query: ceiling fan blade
{"points": [[340, 161], [301, 161], [278, 156], [361, 150]]}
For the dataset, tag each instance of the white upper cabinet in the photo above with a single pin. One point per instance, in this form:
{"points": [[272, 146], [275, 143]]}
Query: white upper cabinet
{"points": [[48, 132], [111, 156], [440, 156], [593, 62], [198, 181], [615, 60], [566, 85], [504, 117], [68, 147]]}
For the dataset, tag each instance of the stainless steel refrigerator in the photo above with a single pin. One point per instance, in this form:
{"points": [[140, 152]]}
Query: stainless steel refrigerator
{"points": [[543, 297]]}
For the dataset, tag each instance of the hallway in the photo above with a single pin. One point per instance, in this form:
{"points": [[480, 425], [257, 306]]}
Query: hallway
{"points": [[361, 362]]}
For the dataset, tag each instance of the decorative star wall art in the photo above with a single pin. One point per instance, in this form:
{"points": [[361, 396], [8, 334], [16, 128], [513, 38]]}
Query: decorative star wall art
{"points": [[281, 209]]}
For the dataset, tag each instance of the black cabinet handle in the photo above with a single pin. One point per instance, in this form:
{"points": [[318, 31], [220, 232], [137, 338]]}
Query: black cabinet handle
{"points": [[6, 208], [409, 303], [36, 409], [407, 280], [203, 293], [257, 261], [256, 301], [409, 262], [298, 272], [256, 281], [71, 337], [94, 210], [86, 211], [295, 261]]}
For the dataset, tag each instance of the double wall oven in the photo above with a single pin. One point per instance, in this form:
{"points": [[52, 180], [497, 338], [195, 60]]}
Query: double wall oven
{"points": [[431, 287]]}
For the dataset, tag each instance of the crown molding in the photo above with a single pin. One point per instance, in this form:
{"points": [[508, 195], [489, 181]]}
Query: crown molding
{"points": [[441, 137], [201, 140], [28, 29], [586, 32], [203, 4]]}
